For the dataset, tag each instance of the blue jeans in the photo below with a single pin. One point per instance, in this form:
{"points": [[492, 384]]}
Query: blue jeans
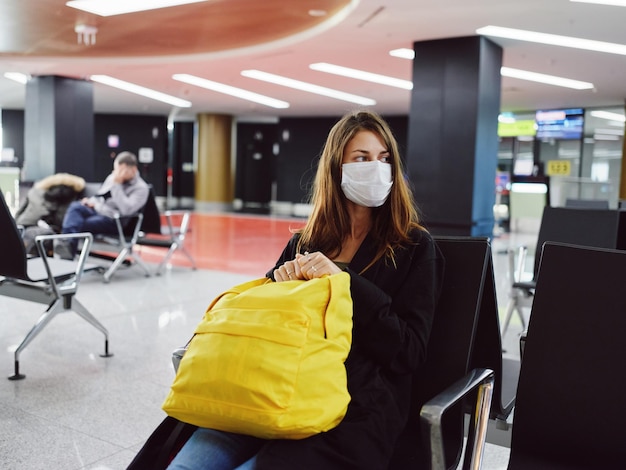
{"points": [[209, 449], [80, 218]]}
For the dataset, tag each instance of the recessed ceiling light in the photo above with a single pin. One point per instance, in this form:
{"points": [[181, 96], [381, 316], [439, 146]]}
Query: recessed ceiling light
{"points": [[119, 7], [553, 39], [547, 79], [615, 3], [230, 90], [17, 77], [362, 75], [308, 87], [139, 90]]}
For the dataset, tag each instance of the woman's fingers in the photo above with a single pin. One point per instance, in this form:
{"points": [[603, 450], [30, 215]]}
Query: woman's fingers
{"points": [[316, 265], [286, 272]]}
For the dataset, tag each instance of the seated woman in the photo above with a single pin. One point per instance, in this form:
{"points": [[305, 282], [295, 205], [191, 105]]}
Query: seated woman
{"points": [[364, 221]]}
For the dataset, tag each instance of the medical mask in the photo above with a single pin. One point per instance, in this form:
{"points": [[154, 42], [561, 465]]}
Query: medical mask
{"points": [[366, 183]]}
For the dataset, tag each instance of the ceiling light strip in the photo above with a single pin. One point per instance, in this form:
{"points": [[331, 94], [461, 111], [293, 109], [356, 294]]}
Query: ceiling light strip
{"points": [[516, 73], [609, 116], [553, 39], [613, 3], [308, 87], [547, 79], [230, 90], [403, 53], [139, 90], [362, 75], [17, 77], [120, 7]]}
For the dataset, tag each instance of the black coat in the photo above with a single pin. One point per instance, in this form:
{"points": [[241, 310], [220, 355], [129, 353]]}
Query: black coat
{"points": [[393, 314], [392, 318]]}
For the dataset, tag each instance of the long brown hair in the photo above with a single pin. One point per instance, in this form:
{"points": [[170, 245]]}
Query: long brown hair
{"points": [[329, 222]]}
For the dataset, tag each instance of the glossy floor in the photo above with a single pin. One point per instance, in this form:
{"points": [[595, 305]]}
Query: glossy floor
{"points": [[76, 410]]}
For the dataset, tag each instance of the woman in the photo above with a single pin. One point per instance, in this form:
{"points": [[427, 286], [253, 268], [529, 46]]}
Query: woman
{"points": [[364, 221]]}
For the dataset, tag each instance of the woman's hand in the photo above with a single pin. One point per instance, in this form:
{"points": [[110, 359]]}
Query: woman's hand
{"points": [[289, 271], [316, 264], [306, 266]]}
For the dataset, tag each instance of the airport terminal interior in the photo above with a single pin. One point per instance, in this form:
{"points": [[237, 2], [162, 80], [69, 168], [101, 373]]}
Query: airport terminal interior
{"points": [[77, 410], [555, 100]]}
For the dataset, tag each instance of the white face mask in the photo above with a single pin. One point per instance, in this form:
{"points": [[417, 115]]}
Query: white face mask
{"points": [[366, 183]]}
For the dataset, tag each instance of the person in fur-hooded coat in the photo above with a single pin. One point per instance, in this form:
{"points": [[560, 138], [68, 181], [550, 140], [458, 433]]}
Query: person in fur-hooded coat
{"points": [[48, 200], [43, 210]]}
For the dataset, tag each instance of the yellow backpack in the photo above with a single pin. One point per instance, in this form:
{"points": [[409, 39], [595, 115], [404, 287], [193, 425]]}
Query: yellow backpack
{"points": [[268, 360]]}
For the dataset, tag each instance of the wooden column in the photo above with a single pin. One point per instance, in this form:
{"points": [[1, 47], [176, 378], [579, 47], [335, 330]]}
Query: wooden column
{"points": [[214, 170]]}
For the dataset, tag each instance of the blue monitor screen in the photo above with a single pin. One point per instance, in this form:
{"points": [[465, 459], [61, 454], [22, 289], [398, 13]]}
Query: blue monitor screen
{"points": [[560, 124]]}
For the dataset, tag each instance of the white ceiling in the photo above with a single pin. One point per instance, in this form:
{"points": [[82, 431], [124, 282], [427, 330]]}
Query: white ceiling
{"points": [[362, 41]]}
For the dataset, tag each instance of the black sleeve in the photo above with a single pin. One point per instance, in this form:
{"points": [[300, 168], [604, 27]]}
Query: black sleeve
{"points": [[393, 312], [288, 254]]}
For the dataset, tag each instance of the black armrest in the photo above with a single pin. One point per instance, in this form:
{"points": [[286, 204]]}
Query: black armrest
{"points": [[527, 285]]}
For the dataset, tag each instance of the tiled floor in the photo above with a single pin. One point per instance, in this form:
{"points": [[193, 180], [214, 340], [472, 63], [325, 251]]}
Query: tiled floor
{"points": [[77, 410]]}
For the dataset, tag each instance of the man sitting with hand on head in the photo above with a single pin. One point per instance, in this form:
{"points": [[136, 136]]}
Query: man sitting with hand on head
{"points": [[123, 193]]}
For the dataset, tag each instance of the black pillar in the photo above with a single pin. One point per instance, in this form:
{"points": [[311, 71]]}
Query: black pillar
{"points": [[59, 129], [453, 133]]}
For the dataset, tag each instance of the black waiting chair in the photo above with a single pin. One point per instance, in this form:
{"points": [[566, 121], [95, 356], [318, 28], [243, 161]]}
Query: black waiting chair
{"points": [[569, 411], [587, 227], [487, 352], [49, 281], [123, 242], [170, 237], [435, 436]]}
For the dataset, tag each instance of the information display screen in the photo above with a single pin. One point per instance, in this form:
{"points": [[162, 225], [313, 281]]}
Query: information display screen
{"points": [[560, 124]]}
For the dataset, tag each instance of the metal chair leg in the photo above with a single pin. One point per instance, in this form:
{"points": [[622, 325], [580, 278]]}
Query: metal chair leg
{"points": [[60, 305], [49, 314]]}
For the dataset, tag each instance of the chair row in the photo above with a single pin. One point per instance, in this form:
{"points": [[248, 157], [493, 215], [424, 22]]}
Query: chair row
{"points": [[571, 357], [145, 228], [54, 282], [602, 228], [568, 393]]}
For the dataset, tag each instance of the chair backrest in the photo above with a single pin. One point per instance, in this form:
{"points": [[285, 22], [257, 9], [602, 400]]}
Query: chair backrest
{"points": [[487, 352], [151, 215], [598, 228], [91, 189], [150, 219], [569, 410], [450, 344], [587, 203], [13, 256]]}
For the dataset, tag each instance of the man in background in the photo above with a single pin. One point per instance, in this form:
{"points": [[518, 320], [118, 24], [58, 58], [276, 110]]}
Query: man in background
{"points": [[123, 193]]}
